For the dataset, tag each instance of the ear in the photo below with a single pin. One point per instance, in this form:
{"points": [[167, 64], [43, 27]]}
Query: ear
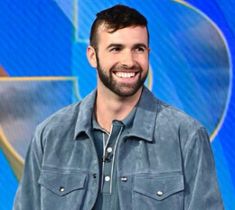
{"points": [[91, 56]]}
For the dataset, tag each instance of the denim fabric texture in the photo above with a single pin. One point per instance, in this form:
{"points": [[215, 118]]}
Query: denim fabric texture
{"points": [[164, 162]]}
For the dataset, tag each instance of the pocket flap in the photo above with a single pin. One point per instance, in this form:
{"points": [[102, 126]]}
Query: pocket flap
{"points": [[158, 187], [62, 183]]}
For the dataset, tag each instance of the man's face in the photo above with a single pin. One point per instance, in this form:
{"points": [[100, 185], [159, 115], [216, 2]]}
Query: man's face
{"points": [[122, 59]]}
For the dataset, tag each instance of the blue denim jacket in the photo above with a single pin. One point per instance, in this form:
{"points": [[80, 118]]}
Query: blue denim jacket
{"points": [[164, 162]]}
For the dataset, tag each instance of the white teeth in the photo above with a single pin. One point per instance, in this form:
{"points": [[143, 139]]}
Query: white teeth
{"points": [[125, 74]]}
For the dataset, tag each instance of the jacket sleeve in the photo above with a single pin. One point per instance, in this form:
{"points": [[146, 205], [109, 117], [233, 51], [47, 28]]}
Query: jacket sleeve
{"points": [[201, 187], [28, 193]]}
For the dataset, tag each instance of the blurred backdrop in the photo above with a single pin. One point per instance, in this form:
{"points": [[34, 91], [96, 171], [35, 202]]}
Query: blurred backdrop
{"points": [[43, 67]]}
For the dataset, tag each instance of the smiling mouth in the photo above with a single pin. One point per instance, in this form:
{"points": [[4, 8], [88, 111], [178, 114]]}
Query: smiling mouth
{"points": [[125, 74]]}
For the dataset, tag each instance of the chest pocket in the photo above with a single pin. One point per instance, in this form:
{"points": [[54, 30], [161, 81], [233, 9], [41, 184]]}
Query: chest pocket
{"points": [[61, 188], [163, 191]]}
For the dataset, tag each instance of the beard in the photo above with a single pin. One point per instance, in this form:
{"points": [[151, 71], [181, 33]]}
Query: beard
{"points": [[121, 89]]}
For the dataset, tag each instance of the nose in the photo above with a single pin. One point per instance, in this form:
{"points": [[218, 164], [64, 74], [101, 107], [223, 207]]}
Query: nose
{"points": [[128, 60]]}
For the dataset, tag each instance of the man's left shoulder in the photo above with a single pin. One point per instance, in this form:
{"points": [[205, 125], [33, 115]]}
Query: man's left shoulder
{"points": [[169, 117], [176, 119], [177, 116], [176, 125]]}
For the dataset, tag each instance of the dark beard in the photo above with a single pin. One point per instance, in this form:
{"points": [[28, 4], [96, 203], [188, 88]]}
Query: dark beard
{"points": [[112, 85]]}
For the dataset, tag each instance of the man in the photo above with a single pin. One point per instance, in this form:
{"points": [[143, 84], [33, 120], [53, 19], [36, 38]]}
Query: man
{"points": [[120, 148]]}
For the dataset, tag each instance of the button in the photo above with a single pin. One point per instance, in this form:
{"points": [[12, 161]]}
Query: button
{"points": [[124, 179], [107, 178], [159, 193], [94, 176], [61, 189], [109, 149]]}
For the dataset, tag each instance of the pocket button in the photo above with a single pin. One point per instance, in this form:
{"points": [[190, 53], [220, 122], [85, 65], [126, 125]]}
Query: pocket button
{"points": [[159, 193], [61, 189]]}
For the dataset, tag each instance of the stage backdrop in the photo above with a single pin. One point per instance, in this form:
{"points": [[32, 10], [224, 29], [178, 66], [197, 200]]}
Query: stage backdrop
{"points": [[43, 68]]}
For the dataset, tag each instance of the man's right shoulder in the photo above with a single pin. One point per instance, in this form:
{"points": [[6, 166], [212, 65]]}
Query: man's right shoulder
{"points": [[64, 122], [65, 117]]}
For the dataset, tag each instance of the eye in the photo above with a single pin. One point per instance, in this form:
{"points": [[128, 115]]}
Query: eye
{"points": [[115, 49], [140, 49]]}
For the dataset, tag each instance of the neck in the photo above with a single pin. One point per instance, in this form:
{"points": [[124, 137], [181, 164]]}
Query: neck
{"points": [[110, 106]]}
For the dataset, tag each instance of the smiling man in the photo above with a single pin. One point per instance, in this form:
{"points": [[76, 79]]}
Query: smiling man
{"points": [[119, 148], [121, 58]]}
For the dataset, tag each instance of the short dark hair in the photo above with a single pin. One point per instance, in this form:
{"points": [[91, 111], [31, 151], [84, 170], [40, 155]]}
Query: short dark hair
{"points": [[115, 18]]}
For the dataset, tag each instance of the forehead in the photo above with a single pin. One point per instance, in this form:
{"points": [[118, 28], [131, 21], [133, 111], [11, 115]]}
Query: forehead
{"points": [[128, 35]]}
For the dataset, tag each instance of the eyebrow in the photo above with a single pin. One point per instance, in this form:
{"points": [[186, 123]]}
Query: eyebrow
{"points": [[121, 45], [141, 45], [114, 45]]}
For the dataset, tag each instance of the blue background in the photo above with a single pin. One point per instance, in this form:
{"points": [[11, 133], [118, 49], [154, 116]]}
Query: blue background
{"points": [[42, 51]]}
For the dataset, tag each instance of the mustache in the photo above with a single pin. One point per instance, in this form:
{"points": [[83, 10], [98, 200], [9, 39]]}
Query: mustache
{"points": [[120, 68]]}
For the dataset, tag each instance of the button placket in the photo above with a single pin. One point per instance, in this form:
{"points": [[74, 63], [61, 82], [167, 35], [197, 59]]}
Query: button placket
{"points": [[107, 178], [108, 159], [109, 149]]}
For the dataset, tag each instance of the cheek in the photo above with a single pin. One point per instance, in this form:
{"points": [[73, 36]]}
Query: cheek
{"points": [[144, 62], [108, 62]]}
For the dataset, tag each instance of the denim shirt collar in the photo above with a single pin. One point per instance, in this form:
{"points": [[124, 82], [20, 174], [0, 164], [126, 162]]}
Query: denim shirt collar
{"points": [[145, 117], [143, 123], [84, 119]]}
